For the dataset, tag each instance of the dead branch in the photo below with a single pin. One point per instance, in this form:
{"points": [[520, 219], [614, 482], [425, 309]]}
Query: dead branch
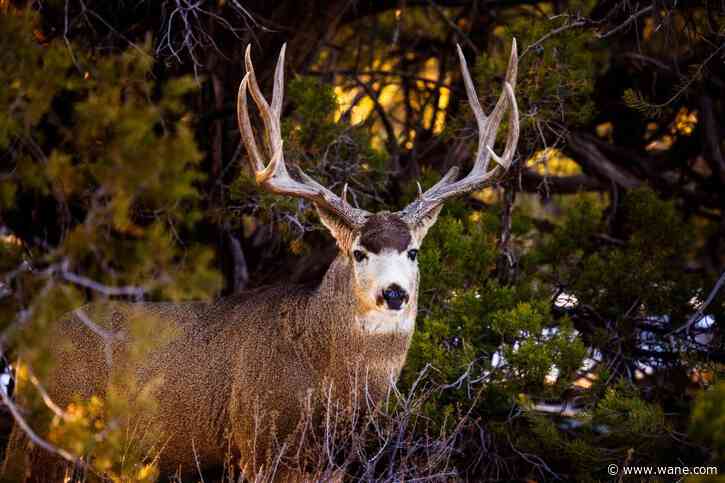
{"points": [[37, 440]]}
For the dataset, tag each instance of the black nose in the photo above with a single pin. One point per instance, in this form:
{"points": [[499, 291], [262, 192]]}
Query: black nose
{"points": [[395, 296]]}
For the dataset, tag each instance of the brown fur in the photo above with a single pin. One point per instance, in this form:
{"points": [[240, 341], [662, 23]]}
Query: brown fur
{"points": [[237, 367], [385, 230]]}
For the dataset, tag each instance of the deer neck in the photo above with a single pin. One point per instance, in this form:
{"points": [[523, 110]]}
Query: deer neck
{"points": [[373, 341]]}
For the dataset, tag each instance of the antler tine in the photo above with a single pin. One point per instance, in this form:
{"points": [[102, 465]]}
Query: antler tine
{"points": [[512, 137], [344, 193], [274, 176], [494, 120], [271, 121], [278, 92], [480, 175], [478, 114], [245, 127]]}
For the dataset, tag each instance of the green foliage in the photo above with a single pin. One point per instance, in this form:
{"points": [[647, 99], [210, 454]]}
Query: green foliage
{"points": [[26, 96], [555, 78], [657, 240], [90, 427], [315, 103], [636, 101], [470, 316], [708, 419], [110, 149], [126, 136], [501, 350], [628, 418], [584, 458]]}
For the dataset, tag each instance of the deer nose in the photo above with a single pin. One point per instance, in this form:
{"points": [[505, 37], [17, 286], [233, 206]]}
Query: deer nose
{"points": [[395, 296]]}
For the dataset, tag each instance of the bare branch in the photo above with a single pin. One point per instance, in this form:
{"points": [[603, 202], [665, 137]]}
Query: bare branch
{"points": [[624, 24], [697, 316], [107, 336], [37, 440], [128, 290], [552, 33]]}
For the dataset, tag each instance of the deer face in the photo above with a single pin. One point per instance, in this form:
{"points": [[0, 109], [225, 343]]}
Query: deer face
{"points": [[385, 265], [383, 254]]}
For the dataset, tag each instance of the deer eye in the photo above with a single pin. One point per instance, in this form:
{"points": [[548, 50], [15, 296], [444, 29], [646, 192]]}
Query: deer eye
{"points": [[412, 254], [359, 256]]}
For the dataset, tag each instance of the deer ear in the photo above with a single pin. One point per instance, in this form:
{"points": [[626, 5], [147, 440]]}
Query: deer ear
{"points": [[420, 229], [342, 233]]}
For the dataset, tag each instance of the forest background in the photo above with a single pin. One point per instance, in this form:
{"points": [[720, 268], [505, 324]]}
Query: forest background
{"points": [[570, 317]]}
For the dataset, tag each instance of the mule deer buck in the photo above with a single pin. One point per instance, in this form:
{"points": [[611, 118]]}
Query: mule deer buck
{"points": [[269, 349]]}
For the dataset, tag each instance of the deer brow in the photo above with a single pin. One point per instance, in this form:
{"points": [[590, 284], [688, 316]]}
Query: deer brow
{"points": [[385, 231]]}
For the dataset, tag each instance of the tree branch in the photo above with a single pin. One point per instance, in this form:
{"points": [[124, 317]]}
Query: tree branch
{"points": [[697, 316], [591, 158], [37, 440]]}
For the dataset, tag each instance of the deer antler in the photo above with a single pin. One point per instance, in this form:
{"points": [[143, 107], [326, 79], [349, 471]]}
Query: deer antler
{"points": [[488, 126], [274, 176]]}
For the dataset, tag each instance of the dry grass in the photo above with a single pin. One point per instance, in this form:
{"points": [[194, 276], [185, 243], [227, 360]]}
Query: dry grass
{"points": [[360, 440], [354, 440]]}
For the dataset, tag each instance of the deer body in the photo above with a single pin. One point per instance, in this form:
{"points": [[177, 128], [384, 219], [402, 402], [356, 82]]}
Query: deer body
{"points": [[287, 343], [239, 373]]}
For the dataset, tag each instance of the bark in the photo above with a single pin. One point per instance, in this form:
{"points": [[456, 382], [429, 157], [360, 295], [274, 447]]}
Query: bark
{"points": [[507, 263], [239, 272], [712, 136], [588, 155]]}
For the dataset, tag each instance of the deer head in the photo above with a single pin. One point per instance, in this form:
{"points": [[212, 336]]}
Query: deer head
{"points": [[382, 247]]}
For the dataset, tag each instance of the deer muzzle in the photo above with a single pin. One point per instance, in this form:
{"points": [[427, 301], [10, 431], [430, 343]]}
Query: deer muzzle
{"points": [[395, 296]]}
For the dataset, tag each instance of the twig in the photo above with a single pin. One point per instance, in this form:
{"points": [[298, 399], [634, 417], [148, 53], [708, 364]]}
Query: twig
{"points": [[698, 315], [389, 130], [107, 336], [455, 27], [507, 258], [556, 31], [20, 421], [689, 82], [127, 290], [57, 410], [629, 20], [86, 11], [196, 460], [436, 83]]}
